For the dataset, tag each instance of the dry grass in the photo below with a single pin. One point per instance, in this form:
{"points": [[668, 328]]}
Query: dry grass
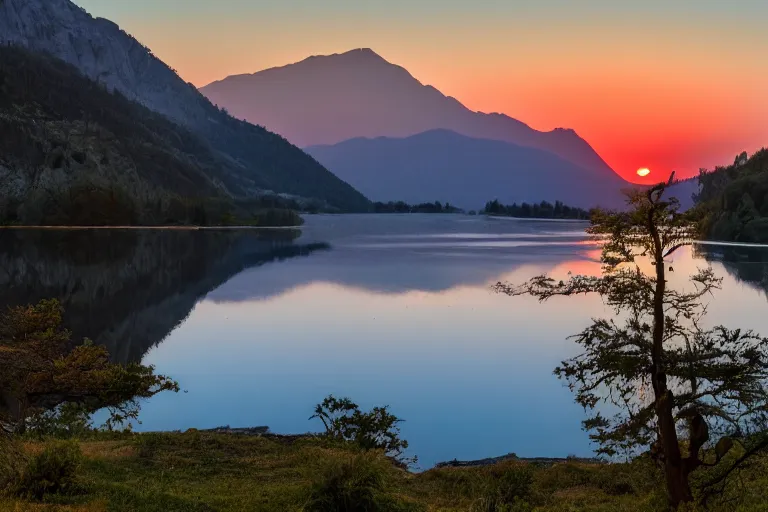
{"points": [[203, 472]]}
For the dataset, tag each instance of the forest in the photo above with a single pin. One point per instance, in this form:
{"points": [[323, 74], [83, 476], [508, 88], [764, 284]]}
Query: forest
{"points": [[403, 207], [542, 210], [733, 200], [74, 153]]}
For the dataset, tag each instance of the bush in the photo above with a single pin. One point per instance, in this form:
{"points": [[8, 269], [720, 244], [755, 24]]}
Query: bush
{"points": [[358, 484], [638, 477], [53, 471], [11, 461], [374, 430], [147, 444], [493, 504], [513, 483], [509, 485]]}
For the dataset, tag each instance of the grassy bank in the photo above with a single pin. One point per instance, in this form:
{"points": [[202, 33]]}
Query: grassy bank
{"points": [[197, 471]]}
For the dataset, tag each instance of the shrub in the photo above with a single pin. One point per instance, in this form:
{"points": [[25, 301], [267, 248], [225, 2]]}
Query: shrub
{"points": [[493, 504], [637, 477], [514, 482], [53, 471], [148, 444], [358, 484], [509, 485], [374, 430], [11, 461]]}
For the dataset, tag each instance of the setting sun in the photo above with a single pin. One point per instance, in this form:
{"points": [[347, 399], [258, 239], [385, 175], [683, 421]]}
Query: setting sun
{"points": [[643, 172]]}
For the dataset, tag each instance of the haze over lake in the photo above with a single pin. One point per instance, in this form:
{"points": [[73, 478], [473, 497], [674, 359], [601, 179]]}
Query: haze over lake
{"points": [[259, 326]]}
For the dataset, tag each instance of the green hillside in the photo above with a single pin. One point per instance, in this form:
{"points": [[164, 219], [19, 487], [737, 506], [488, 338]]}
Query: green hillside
{"points": [[72, 152], [734, 200]]}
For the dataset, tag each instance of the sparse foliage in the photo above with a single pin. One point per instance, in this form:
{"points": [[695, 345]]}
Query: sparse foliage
{"points": [[694, 396], [374, 430]]}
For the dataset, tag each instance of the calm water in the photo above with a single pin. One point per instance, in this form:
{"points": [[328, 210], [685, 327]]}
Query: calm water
{"points": [[259, 326]]}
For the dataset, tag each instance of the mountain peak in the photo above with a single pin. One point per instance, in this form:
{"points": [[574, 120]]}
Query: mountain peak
{"points": [[368, 52], [354, 56], [324, 100]]}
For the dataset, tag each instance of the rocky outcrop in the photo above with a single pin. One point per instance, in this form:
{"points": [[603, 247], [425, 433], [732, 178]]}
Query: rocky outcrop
{"points": [[545, 461], [101, 51]]}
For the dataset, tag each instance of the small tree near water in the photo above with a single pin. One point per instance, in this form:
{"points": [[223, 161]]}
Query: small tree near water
{"points": [[46, 377], [695, 397], [374, 430]]}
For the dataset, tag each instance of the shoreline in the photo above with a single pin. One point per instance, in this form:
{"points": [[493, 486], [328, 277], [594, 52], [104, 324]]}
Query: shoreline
{"points": [[166, 228], [264, 432]]}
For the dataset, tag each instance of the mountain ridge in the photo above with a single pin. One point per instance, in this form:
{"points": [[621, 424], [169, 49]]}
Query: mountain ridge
{"points": [[366, 95], [102, 51], [465, 171]]}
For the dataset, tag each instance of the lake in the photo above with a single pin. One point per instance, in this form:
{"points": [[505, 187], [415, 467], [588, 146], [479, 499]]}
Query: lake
{"points": [[259, 326]]}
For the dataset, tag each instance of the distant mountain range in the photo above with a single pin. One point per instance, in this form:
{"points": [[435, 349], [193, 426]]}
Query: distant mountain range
{"points": [[253, 159], [329, 99], [465, 171], [436, 149]]}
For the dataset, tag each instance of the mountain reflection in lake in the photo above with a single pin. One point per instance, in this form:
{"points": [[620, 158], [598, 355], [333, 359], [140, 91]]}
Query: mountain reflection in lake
{"points": [[127, 289], [396, 311]]}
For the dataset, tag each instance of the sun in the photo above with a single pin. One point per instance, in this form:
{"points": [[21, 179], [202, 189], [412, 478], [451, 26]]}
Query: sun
{"points": [[644, 171]]}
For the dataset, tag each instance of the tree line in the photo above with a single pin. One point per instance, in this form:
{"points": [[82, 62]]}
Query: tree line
{"points": [[403, 207], [542, 210]]}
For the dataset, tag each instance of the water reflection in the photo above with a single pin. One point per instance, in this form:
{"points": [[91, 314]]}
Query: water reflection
{"points": [[746, 264], [127, 289], [397, 312], [393, 315]]}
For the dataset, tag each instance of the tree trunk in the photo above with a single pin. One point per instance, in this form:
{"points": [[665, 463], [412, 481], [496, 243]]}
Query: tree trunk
{"points": [[675, 468], [675, 471], [678, 487]]}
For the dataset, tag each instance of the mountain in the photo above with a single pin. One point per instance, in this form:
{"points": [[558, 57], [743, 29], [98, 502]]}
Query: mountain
{"points": [[260, 160], [328, 99], [446, 166], [73, 153], [685, 191]]}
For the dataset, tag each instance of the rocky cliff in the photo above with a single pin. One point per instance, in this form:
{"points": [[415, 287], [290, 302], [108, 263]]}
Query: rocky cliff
{"points": [[101, 51]]}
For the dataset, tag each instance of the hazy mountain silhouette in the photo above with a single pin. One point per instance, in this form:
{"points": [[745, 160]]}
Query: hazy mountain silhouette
{"points": [[258, 160], [443, 165], [329, 99], [684, 191]]}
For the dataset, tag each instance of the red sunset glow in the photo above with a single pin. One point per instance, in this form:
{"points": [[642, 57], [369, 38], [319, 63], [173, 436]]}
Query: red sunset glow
{"points": [[684, 92]]}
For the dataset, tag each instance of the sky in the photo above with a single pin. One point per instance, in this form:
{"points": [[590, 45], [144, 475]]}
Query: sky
{"points": [[663, 84]]}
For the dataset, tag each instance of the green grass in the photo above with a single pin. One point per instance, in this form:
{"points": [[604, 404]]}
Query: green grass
{"points": [[197, 471]]}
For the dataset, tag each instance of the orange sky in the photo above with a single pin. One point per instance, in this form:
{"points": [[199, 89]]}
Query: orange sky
{"points": [[661, 84]]}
